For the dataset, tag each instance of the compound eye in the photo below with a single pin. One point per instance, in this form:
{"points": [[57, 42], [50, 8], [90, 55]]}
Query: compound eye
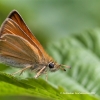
{"points": [[51, 65]]}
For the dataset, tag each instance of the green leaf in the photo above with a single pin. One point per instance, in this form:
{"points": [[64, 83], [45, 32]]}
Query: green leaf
{"points": [[33, 88], [3, 67]]}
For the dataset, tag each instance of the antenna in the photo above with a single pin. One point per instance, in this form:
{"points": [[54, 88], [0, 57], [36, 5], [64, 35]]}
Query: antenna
{"points": [[64, 68]]}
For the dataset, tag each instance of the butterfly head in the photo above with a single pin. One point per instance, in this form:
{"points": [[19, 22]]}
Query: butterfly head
{"points": [[53, 66]]}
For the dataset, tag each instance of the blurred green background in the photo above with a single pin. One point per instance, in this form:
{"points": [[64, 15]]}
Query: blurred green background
{"points": [[70, 31]]}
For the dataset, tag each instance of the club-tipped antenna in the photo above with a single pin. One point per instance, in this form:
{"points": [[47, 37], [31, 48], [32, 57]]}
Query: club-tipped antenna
{"points": [[66, 66], [62, 69]]}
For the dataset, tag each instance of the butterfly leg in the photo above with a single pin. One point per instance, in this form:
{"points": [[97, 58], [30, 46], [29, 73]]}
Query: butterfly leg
{"points": [[22, 70], [38, 74]]}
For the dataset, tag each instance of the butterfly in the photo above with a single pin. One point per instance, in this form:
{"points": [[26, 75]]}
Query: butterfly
{"points": [[20, 48]]}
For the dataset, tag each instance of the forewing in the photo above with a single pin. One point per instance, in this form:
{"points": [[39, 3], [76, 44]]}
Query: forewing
{"points": [[15, 16], [9, 26]]}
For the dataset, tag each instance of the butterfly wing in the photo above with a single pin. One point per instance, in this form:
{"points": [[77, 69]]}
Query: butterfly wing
{"points": [[11, 27], [15, 16], [15, 50]]}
